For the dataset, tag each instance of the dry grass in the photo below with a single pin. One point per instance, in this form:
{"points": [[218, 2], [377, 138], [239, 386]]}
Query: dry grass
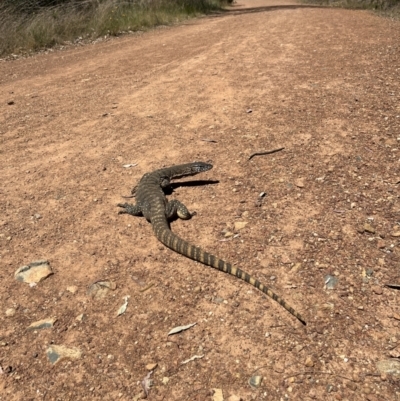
{"points": [[27, 27], [386, 8]]}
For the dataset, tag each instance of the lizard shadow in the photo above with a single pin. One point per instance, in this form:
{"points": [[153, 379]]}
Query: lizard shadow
{"points": [[194, 183], [170, 189]]}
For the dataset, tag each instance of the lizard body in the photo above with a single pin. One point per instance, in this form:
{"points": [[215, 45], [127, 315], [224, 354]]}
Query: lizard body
{"points": [[152, 203]]}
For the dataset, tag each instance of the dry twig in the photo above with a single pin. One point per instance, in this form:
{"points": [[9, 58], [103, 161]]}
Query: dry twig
{"points": [[264, 152]]}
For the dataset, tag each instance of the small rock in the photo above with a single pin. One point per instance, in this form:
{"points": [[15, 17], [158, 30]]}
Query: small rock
{"points": [[395, 234], [38, 216], [218, 396], [228, 234], [124, 306], [35, 272], [56, 353], [279, 367], [285, 259], [369, 228], [240, 224], [255, 381], [351, 385], [42, 324], [10, 102], [72, 289], [391, 366], [366, 389], [381, 244], [81, 317], [295, 268], [299, 182], [165, 380], [10, 312], [151, 366], [377, 289], [100, 289], [309, 362], [331, 282]]}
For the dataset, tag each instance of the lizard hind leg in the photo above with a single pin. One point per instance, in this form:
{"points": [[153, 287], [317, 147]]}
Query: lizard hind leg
{"points": [[133, 210], [176, 208]]}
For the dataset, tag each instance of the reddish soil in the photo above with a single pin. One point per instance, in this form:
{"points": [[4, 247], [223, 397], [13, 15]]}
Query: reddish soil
{"points": [[323, 83]]}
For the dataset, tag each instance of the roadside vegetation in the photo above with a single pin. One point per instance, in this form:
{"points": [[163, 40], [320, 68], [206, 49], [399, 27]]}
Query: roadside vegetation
{"points": [[30, 25], [388, 8]]}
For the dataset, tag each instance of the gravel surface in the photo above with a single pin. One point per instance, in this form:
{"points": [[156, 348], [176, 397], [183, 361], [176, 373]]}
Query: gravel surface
{"points": [[324, 234]]}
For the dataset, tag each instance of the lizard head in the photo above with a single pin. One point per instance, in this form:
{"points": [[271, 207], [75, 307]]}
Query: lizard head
{"points": [[199, 167], [184, 170]]}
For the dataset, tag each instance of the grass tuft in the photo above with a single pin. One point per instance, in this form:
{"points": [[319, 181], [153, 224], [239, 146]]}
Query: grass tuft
{"points": [[30, 25]]}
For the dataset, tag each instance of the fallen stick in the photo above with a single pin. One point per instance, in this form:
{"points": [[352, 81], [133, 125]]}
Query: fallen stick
{"points": [[208, 140], [264, 152]]}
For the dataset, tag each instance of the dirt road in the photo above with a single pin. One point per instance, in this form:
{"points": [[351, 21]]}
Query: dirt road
{"points": [[324, 84]]}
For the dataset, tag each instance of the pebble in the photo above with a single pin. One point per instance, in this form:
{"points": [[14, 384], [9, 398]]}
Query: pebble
{"points": [[369, 228], [56, 353], [72, 289], [279, 367], [165, 380], [299, 182], [100, 289], [309, 362], [255, 381], [35, 272], [81, 317], [331, 282], [10, 312], [218, 396], [381, 244], [391, 366], [42, 324], [151, 366], [240, 224], [351, 385], [377, 289], [395, 234]]}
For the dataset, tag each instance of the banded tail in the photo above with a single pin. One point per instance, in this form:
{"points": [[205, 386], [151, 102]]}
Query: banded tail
{"points": [[172, 241]]}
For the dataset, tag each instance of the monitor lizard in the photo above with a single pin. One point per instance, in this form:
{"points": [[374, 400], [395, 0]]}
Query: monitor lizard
{"points": [[152, 203]]}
